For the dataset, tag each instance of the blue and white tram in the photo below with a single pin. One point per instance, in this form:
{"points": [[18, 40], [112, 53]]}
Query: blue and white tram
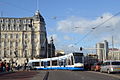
{"points": [[72, 61]]}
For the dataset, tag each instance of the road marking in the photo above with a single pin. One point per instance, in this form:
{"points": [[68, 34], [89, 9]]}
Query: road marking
{"points": [[112, 75], [46, 76]]}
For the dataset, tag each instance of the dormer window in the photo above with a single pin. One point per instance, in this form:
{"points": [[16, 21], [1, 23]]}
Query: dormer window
{"points": [[24, 21]]}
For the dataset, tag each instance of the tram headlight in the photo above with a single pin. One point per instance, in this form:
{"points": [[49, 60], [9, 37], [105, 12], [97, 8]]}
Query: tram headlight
{"points": [[78, 65]]}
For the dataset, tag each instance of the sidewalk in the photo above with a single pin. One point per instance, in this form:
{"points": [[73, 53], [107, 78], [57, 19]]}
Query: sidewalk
{"points": [[2, 73]]}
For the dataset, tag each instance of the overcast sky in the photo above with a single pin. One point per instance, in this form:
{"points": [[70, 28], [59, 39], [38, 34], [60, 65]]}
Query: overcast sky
{"points": [[72, 23]]}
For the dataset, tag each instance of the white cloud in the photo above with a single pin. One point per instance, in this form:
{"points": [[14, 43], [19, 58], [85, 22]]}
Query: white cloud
{"points": [[55, 38], [68, 37], [81, 25], [69, 48]]}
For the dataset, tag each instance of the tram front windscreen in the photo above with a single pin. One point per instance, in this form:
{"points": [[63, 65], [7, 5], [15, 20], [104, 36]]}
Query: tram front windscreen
{"points": [[78, 57]]}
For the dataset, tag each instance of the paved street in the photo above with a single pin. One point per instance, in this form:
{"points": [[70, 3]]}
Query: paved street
{"points": [[23, 75], [80, 75], [59, 75]]}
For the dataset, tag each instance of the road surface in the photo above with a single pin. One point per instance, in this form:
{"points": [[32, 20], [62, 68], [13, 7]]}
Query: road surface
{"points": [[59, 75], [80, 75]]}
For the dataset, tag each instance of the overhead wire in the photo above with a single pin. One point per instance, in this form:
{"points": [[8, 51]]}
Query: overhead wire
{"points": [[86, 35]]}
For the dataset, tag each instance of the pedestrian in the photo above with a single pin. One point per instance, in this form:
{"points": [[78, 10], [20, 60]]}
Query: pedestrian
{"points": [[4, 66], [1, 66], [18, 67]]}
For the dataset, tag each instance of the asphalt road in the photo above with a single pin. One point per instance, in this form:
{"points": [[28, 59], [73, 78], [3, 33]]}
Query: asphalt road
{"points": [[59, 75], [80, 75], [23, 75]]}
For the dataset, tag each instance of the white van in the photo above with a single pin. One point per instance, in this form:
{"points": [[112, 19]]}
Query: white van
{"points": [[110, 66]]}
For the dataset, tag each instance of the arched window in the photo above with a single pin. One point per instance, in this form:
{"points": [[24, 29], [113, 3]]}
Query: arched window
{"points": [[14, 27], [8, 27]]}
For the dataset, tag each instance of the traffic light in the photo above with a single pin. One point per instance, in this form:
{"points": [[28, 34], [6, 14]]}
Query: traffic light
{"points": [[80, 48]]}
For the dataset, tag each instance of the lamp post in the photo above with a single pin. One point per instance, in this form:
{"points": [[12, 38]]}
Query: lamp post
{"points": [[113, 47], [112, 30]]}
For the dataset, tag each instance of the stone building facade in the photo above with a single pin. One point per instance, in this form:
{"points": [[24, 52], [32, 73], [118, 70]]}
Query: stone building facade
{"points": [[114, 54], [23, 37], [102, 50]]}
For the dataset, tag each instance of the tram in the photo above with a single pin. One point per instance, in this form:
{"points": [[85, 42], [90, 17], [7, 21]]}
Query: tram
{"points": [[72, 61]]}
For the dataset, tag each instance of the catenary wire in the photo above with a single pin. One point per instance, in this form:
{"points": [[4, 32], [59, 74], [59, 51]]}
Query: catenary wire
{"points": [[86, 35]]}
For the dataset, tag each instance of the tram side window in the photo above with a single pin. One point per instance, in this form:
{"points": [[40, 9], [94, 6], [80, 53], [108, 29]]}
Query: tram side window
{"points": [[60, 63], [54, 63], [42, 64], [48, 63], [36, 64], [64, 62], [71, 60]]}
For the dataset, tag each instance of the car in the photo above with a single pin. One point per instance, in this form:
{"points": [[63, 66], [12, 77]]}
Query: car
{"points": [[96, 66], [110, 66]]}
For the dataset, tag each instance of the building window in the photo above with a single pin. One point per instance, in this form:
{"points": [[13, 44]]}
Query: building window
{"points": [[12, 20], [16, 35], [35, 36], [8, 27], [5, 54], [25, 53], [10, 52], [2, 21], [26, 35], [17, 27], [3, 25], [11, 35], [5, 35], [24, 21], [11, 44], [18, 21], [16, 44], [14, 27], [5, 44], [3, 28], [6, 20], [20, 27], [30, 25]]}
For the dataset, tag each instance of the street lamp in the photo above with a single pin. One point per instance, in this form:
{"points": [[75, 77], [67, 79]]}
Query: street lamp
{"points": [[112, 41]]}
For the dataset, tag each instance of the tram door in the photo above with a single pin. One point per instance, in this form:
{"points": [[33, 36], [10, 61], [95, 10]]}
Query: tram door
{"points": [[62, 63], [46, 64]]}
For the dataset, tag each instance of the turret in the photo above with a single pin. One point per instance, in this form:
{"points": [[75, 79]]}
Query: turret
{"points": [[37, 16]]}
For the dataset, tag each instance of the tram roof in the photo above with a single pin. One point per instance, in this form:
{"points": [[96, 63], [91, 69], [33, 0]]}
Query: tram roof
{"points": [[54, 58]]}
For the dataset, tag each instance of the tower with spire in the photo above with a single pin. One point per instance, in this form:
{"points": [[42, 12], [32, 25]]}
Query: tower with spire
{"points": [[39, 37]]}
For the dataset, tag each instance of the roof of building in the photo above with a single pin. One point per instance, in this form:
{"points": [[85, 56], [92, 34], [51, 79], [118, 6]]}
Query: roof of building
{"points": [[37, 16]]}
